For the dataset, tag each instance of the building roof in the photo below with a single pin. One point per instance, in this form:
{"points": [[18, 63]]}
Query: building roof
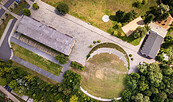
{"points": [[2, 11], [45, 35], [158, 29], [130, 27], [152, 44]]}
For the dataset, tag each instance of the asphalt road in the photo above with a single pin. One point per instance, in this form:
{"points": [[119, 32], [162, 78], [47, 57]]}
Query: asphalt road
{"points": [[8, 3], [5, 51]]}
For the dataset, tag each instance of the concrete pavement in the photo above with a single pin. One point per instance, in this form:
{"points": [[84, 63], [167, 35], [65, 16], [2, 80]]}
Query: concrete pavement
{"points": [[84, 34]]}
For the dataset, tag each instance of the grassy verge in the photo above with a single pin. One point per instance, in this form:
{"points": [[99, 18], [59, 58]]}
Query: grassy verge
{"points": [[20, 7], [104, 76], [92, 11], [111, 45], [44, 78], [36, 59], [4, 24]]}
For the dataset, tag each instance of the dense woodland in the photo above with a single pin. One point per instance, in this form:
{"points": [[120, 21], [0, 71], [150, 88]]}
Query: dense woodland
{"points": [[153, 83], [24, 83]]}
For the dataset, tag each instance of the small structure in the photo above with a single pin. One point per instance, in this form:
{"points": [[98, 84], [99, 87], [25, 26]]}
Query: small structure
{"points": [[130, 27], [105, 18], [46, 35], [154, 41]]}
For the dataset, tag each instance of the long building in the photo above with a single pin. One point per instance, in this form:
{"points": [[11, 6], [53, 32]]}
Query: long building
{"points": [[46, 35]]}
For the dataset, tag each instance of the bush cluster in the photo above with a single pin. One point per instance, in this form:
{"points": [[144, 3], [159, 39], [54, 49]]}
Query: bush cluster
{"points": [[139, 32], [35, 6], [77, 66], [62, 59], [62, 8], [26, 12]]}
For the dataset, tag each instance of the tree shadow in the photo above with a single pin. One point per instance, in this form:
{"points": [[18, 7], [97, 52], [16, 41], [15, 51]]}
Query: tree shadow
{"points": [[59, 13], [112, 17]]}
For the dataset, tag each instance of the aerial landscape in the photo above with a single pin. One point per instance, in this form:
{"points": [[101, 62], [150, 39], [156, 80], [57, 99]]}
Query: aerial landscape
{"points": [[86, 50]]}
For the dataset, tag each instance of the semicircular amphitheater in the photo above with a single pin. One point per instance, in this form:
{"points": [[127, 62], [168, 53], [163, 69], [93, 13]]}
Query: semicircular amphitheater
{"points": [[104, 74]]}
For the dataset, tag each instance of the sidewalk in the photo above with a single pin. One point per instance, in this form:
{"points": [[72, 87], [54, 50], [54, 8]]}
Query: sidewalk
{"points": [[9, 95]]}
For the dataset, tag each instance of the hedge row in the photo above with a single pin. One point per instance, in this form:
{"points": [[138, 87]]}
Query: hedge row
{"points": [[77, 66]]}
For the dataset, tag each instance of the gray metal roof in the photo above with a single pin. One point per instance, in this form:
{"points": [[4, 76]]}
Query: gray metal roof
{"points": [[152, 44], [45, 35]]}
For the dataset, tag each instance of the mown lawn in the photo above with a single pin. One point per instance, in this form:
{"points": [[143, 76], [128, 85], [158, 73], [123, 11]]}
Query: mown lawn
{"points": [[104, 76], [92, 11], [36, 59]]}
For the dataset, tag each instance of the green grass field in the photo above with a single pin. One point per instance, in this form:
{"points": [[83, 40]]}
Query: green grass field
{"points": [[36, 59], [92, 11], [104, 76]]}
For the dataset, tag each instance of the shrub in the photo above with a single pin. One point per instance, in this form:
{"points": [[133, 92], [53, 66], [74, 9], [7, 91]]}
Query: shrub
{"points": [[6, 14], [77, 66], [2, 20], [62, 8], [94, 42], [35, 6], [26, 12], [130, 55], [99, 41], [117, 25], [62, 59], [11, 9], [139, 32], [132, 59], [91, 46], [88, 56]]}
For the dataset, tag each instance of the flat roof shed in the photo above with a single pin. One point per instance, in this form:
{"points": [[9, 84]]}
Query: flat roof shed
{"points": [[45, 35]]}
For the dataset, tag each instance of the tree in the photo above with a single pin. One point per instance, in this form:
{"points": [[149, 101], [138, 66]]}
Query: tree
{"points": [[139, 32], [148, 19], [62, 8], [26, 12], [35, 6], [140, 98], [120, 15], [126, 95], [62, 59]]}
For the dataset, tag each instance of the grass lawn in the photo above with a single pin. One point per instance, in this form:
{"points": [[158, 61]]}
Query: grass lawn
{"points": [[44, 78], [20, 7], [104, 76], [92, 11], [36, 59], [3, 26]]}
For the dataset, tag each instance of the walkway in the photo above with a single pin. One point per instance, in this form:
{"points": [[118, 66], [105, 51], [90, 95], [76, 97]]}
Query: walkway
{"points": [[97, 98], [9, 95], [58, 79], [110, 51]]}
